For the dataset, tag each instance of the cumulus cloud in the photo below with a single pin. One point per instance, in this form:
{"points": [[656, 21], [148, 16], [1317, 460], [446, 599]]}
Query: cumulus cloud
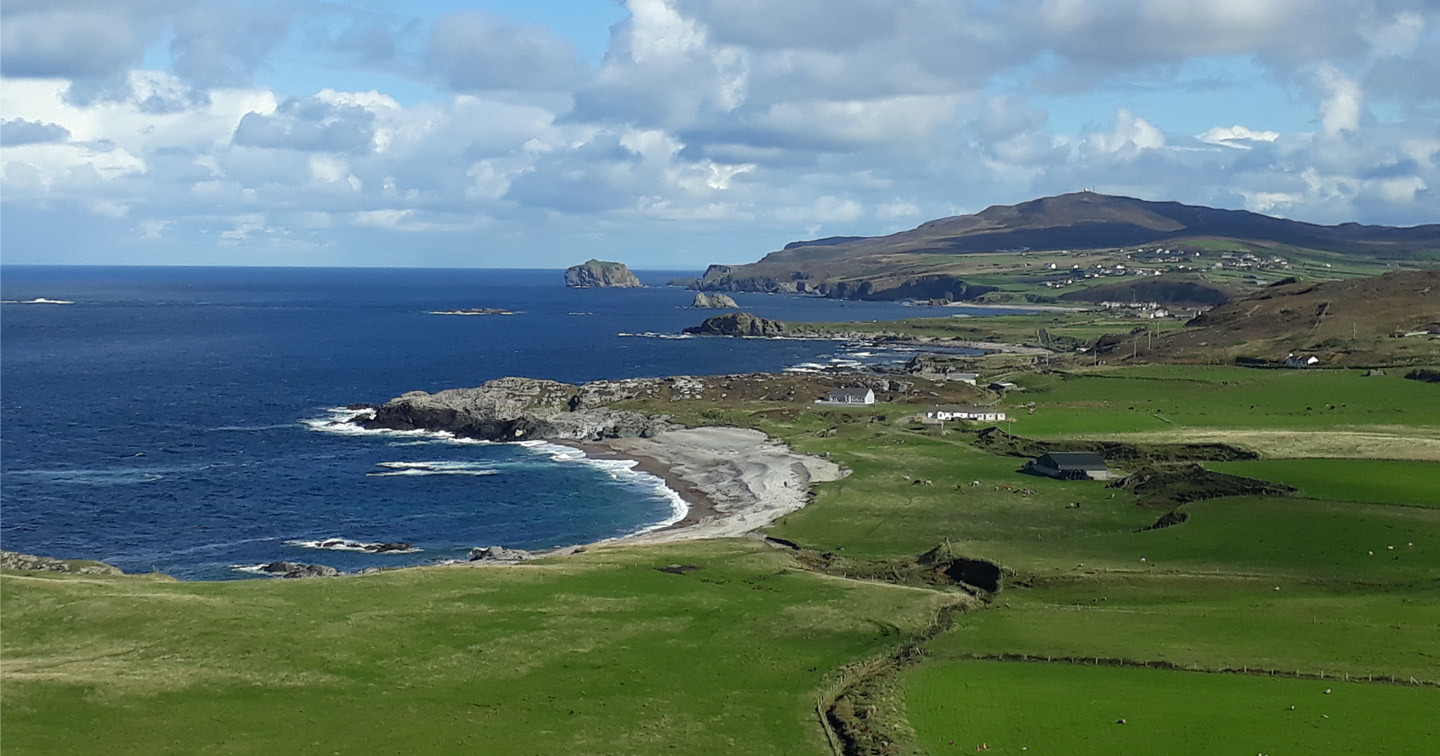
{"points": [[1237, 136], [177, 122], [310, 125], [20, 131]]}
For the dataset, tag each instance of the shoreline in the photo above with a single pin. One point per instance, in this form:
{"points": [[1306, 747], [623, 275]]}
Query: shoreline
{"points": [[733, 480]]}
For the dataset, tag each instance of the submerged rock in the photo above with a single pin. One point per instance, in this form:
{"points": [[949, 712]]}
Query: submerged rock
{"points": [[595, 274]]}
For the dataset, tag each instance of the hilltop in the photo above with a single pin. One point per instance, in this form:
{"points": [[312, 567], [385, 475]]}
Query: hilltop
{"points": [[1362, 321], [1074, 242]]}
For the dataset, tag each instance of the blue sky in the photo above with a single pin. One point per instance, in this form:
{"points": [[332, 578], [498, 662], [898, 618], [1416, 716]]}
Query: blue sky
{"points": [[678, 133]]}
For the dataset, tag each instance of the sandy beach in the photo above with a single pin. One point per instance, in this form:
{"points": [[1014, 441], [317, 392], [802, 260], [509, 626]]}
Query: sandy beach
{"points": [[735, 480]]}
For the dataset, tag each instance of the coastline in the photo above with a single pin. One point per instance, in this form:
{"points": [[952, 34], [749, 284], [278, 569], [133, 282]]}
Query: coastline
{"points": [[734, 480]]}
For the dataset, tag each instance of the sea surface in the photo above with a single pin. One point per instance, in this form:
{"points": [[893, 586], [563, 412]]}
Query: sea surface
{"points": [[178, 419]]}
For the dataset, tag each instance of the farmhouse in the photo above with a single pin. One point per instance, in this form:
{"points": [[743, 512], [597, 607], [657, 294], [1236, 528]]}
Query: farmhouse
{"points": [[852, 396], [1070, 466], [1296, 360], [965, 412]]}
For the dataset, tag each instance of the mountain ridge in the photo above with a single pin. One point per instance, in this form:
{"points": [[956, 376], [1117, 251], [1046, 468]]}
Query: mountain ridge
{"points": [[920, 262]]}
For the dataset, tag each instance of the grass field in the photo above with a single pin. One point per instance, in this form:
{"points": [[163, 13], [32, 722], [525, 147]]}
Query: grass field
{"points": [[1384, 481], [1075, 710], [602, 653]]}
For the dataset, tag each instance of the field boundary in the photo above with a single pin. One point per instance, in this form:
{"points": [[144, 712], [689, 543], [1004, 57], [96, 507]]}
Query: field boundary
{"points": [[1115, 661]]}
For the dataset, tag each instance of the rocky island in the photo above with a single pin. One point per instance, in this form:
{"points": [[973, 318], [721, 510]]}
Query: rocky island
{"points": [[599, 274], [713, 301]]}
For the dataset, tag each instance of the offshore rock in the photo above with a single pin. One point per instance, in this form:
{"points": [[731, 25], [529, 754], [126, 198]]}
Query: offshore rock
{"points": [[738, 324], [522, 409], [595, 274], [298, 570], [713, 301]]}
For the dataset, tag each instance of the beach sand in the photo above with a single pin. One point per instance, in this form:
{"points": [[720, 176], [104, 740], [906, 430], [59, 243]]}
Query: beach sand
{"points": [[735, 480]]}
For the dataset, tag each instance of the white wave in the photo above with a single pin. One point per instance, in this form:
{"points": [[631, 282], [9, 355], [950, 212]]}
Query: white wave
{"points": [[38, 300], [653, 335], [346, 544], [340, 421], [432, 468], [622, 470], [253, 569]]}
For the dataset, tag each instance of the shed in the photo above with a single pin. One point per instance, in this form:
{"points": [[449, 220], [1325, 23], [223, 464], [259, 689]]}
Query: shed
{"points": [[1002, 386], [1070, 466]]}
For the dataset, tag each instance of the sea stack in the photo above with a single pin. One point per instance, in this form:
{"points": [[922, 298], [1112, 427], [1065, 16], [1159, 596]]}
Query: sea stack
{"points": [[595, 274], [713, 301]]}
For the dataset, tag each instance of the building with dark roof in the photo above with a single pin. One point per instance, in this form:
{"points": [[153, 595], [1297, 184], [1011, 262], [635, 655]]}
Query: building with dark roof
{"points": [[1070, 466]]}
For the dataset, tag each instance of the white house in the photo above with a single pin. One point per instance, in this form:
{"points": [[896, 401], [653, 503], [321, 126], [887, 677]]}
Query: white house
{"points": [[852, 396], [965, 412]]}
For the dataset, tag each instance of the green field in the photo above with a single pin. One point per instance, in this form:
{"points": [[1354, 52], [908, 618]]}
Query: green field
{"points": [[599, 654], [603, 653], [1075, 710], [1383, 481]]}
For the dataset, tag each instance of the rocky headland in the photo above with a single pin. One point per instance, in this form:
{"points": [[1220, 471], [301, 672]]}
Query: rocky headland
{"points": [[599, 274], [13, 560]]}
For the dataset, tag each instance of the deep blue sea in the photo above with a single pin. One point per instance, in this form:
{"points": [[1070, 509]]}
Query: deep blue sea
{"points": [[172, 419]]}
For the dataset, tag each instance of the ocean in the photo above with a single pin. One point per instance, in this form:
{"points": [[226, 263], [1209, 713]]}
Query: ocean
{"points": [[176, 419]]}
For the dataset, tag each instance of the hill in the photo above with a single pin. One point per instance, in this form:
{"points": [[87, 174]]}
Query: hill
{"points": [[1361, 321], [1071, 240]]}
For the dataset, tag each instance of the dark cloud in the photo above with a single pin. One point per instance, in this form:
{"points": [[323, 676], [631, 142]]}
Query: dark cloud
{"points": [[475, 51], [311, 126], [19, 131], [75, 39], [221, 44]]}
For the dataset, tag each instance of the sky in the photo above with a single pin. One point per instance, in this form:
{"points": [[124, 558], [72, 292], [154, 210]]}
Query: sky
{"points": [[671, 134]]}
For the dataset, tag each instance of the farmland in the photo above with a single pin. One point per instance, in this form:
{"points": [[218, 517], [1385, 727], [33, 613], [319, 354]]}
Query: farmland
{"points": [[1251, 605]]}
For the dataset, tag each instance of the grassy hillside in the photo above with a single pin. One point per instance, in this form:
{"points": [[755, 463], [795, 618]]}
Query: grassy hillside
{"points": [[605, 653]]}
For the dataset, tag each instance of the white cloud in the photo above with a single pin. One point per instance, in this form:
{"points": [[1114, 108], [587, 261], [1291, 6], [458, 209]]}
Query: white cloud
{"points": [[1129, 135], [1341, 109], [1237, 136]]}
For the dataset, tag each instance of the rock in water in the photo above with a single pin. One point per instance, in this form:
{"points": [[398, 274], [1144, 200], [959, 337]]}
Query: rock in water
{"points": [[738, 324], [298, 570], [713, 301], [600, 274]]}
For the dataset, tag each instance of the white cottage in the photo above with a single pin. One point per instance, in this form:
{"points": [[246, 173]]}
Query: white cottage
{"points": [[852, 396], [965, 412]]}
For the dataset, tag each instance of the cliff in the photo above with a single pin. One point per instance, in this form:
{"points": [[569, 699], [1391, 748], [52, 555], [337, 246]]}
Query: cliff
{"points": [[595, 274]]}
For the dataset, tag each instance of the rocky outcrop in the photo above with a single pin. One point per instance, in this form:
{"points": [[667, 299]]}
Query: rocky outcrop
{"points": [[520, 409], [298, 570], [713, 301], [738, 324], [12, 560], [499, 554], [594, 274]]}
